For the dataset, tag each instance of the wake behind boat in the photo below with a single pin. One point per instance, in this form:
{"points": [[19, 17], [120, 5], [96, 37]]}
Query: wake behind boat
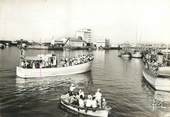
{"points": [[48, 65]]}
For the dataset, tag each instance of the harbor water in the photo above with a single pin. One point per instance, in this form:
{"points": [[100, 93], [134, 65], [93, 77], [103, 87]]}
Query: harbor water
{"points": [[120, 81]]}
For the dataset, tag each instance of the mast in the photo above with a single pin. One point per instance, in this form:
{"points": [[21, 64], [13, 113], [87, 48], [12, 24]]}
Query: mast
{"points": [[22, 52]]}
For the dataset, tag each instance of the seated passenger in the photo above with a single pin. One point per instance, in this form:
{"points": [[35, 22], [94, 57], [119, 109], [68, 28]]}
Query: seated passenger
{"points": [[81, 94], [88, 102], [72, 99], [103, 103], [22, 64], [71, 89], [94, 104], [81, 102]]}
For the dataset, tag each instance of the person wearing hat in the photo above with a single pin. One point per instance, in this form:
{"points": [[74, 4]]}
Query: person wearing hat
{"points": [[94, 104], [71, 89], [98, 96]]}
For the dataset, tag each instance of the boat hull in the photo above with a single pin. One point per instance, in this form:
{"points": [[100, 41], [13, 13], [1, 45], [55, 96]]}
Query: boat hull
{"points": [[97, 113], [164, 71], [124, 55], [46, 72], [158, 83], [136, 55]]}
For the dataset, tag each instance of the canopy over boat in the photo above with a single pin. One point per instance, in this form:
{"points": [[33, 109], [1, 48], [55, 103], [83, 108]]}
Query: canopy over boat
{"points": [[39, 57]]}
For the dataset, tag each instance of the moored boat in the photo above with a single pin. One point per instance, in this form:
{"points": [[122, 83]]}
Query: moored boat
{"points": [[2, 46], [48, 65], [125, 55], [136, 54], [76, 109], [156, 81]]}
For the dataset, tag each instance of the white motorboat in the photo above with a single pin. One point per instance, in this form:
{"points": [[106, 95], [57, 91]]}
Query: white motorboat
{"points": [[156, 81], [31, 70], [124, 54], [136, 54], [76, 109]]}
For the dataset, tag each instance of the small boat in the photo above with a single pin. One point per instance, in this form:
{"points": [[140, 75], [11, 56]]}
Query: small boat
{"points": [[38, 47], [125, 55], [2, 46], [76, 109], [157, 82], [53, 69], [136, 54]]}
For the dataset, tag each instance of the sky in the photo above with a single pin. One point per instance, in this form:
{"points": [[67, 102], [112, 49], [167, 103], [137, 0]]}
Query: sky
{"points": [[119, 20]]}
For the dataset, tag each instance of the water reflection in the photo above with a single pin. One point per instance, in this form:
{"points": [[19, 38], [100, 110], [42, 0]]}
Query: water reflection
{"points": [[160, 100]]}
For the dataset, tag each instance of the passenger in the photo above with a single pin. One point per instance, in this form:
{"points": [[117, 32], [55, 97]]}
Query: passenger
{"points": [[98, 96], [81, 94], [88, 103], [72, 99], [81, 102], [104, 103], [71, 90], [94, 104], [77, 95], [22, 64], [33, 65], [26, 64]]}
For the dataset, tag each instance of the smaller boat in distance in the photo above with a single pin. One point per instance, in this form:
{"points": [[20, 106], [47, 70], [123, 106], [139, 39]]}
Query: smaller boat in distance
{"points": [[49, 65], [2, 46], [136, 54], [100, 112], [124, 54]]}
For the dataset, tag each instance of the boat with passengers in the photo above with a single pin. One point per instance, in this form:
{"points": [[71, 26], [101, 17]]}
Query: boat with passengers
{"points": [[136, 54], [49, 65], [157, 70], [78, 103]]}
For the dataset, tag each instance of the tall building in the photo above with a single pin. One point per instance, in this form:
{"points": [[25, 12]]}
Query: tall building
{"points": [[84, 34], [107, 43]]}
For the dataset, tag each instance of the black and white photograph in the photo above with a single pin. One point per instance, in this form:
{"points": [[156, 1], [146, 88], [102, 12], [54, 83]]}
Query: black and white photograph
{"points": [[84, 58]]}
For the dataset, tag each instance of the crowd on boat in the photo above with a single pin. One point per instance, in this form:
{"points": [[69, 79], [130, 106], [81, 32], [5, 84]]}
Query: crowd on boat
{"points": [[154, 58], [93, 102], [76, 60], [48, 61]]}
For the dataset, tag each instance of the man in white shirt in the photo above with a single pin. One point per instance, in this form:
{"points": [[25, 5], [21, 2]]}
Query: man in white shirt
{"points": [[98, 97], [71, 89], [88, 103]]}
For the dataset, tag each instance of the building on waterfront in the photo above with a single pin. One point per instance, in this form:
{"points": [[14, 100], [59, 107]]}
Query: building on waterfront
{"points": [[100, 44], [75, 43], [85, 34], [57, 43], [107, 43]]}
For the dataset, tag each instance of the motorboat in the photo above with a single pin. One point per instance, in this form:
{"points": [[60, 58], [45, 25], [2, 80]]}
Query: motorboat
{"points": [[157, 82], [49, 65], [136, 54], [101, 112]]}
